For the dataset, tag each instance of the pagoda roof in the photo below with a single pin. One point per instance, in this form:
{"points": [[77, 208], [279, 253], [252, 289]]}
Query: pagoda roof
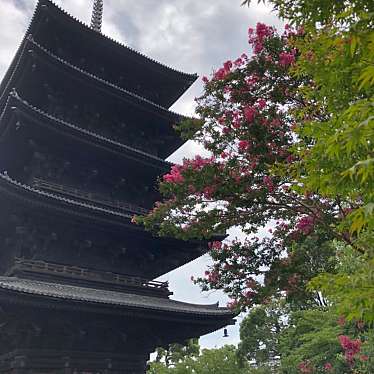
{"points": [[64, 204], [110, 298], [31, 50], [88, 213], [102, 46], [23, 109]]}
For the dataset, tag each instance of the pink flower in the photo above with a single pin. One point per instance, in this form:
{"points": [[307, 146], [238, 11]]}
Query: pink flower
{"points": [[289, 158], [205, 79], [286, 58], [305, 367], [221, 120], [233, 304], [213, 276], [227, 65], [208, 192], [350, 347], [251, 80], [198, 162], [269, 58], [220, 74], [249, 294], [238, 62], [268, 182], [243, 145], [263, 30], [261, 103], [249, 113], [258, 48], [224, 155], [174, 176], [226, 130], [305, 225], [327, 366], [364, 357], [257, 40], [191, 188], [216, 245]]}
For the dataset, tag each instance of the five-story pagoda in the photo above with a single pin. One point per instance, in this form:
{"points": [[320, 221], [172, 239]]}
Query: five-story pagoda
{"points": [[84, 132]]}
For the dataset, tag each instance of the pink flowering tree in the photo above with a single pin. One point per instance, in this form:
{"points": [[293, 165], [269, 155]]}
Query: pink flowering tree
{"points": [[246, 123]]}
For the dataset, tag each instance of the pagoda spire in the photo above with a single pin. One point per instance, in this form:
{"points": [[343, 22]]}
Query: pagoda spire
{"points": [[97, 15]]}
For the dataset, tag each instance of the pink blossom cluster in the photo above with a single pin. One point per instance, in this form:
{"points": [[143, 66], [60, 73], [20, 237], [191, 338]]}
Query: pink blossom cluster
{"points": [[212, 276], [351, 348], [268, 183], [305, 367], [328, 366], [216, 245], [290, 31], [243, 145], [175, 175], [236, 119], [249, 294], [197, 163], [240, 61], [261, 103], [249, 113], [257, 37], [305, 225], [232, 304], [251, 80], [208, 192], [287, 58], [224, 71]]}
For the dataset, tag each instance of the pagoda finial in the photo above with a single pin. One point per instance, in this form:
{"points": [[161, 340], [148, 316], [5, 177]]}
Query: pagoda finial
{"points": [[97, 15]]}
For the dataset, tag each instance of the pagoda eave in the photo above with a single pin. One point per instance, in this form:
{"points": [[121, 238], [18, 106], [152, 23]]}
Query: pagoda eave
{"points": [[45, 200], [178, 81], [32, 55], [62, 296], [17, 197], [37, 52], [18, 111]]}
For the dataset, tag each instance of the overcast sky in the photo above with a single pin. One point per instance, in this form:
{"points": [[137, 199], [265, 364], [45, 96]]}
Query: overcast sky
{"points": [[190, 35]]}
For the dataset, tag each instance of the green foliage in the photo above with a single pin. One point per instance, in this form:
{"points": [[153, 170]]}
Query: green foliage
{"points": [[312, 12], [178, 352], [259, 335], [218, 361], [337, 128], [311, 337], [351, 288]]}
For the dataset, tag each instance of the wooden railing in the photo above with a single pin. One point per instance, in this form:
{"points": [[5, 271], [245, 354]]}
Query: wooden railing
{"points": [[87, 274], [87, 196]]}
